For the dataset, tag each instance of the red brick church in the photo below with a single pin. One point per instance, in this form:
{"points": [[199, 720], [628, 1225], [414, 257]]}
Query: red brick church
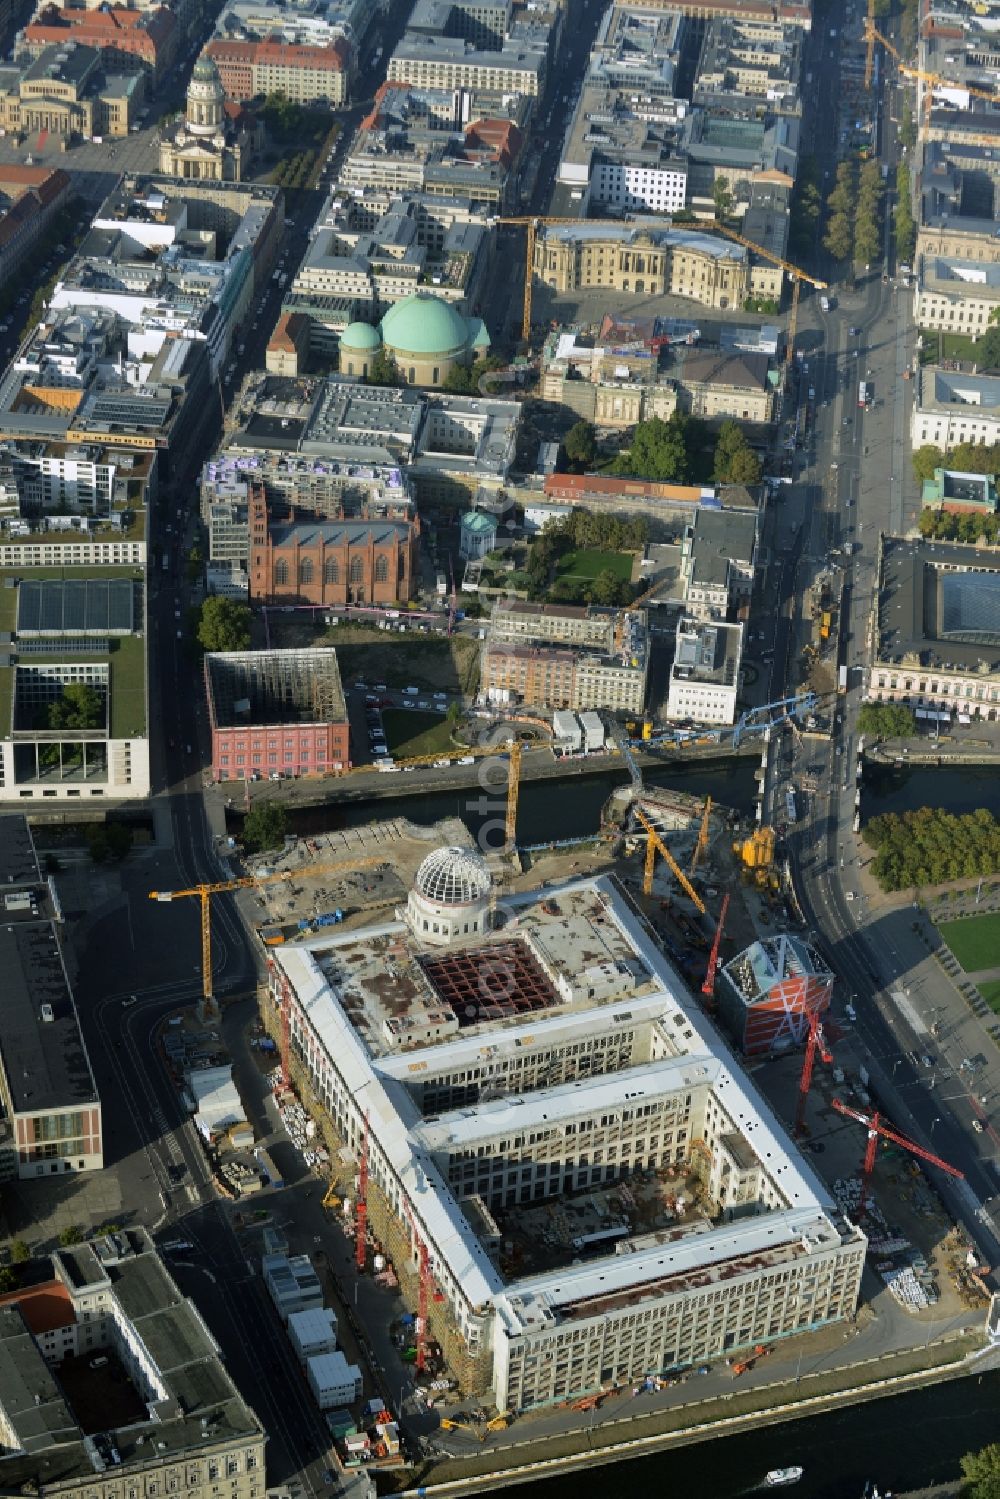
{"points": [[334, 562]]}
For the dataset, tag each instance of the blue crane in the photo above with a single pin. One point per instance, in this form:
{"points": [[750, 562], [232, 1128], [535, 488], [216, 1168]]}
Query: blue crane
{"points": [[753, 721]]}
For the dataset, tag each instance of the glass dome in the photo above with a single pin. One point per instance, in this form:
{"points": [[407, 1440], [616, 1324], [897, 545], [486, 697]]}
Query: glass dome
{"points": [[453, 877]]}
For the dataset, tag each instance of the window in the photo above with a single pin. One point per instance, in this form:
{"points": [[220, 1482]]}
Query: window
{"points": [[305, 570], [281, 572], [331, 572], [381, 570], [357, 570]]}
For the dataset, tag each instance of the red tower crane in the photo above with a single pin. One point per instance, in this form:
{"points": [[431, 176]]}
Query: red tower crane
{"points": [[873, 1124], [814, 1039], [708, 987], [361, 1212], [423, 1299]]}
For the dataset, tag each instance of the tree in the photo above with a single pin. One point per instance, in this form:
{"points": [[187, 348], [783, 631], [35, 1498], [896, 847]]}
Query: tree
{"points": [[79, 707], [722, 198], [609, 588], [264, 827], [886, 720], [223, 625], [866, 238], [838, 239], [580, 445], [926, 459], [70, 1235], [981, 1471], [988, 349], [745, 468], [930, 847], [8, 1279], [383, 370], [735, 462], [460, 381], [454, 713], [195, 563], [658, 452], [19, 1252]]}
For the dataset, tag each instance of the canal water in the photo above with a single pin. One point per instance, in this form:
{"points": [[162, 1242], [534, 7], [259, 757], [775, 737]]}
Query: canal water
{"points": [[887, 789], [547, 809], [907, 1442]]}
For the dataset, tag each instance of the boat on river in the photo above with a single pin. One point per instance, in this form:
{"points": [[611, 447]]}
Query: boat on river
{"points": [[779, 1477]]}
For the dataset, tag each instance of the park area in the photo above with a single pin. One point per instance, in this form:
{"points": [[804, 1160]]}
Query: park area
{"points": [[584, 566], [408, 734], [975, 941]]}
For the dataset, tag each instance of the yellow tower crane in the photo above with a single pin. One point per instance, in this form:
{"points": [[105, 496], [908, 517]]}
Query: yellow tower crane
{"points": [[870, 47], [701, 846], [531, 223], [655, 845], [873, 35], [204, 893], [513, 786]]}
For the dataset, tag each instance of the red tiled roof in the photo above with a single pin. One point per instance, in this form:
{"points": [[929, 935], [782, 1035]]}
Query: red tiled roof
{"points": [[566, 485], [43, 1308], [294, 54], [288, 330]]}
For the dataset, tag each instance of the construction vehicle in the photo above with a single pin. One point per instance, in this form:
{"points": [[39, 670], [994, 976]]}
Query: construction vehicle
{"points": [[204, 893], [744, 1364], [877, 1130], [447, 1424], [815, 1040], [330, 1199], [588, 1402], [655, 845], [935, 80], [756, 854], [501, 1422]]}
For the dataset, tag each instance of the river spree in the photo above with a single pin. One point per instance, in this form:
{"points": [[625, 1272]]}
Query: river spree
{"points": [[547, 809], [903, 1443]]}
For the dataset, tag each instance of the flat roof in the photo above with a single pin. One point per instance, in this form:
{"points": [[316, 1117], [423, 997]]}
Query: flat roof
{"points": [[45, 1061], [939, 606], [18, 860]]}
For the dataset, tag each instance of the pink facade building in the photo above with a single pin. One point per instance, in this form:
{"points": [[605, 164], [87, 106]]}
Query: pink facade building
{"points": [[276, 713]]}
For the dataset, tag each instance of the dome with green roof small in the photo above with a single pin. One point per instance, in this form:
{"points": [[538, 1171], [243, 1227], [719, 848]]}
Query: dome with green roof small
{"points": [[360, 337]]}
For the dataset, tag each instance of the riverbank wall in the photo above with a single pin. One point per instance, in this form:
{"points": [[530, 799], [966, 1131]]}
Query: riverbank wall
{"points": [[625, 1437]]}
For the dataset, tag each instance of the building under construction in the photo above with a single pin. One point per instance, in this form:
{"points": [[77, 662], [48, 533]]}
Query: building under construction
{"points": [[769, 992], [576, 1183], [276, 713]]}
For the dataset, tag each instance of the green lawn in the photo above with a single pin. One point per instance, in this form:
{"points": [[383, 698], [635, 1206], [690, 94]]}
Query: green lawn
{"points": [[949, 346], [975, 941], [408, 733], [588, 564], [128, 687], [990, 990]]}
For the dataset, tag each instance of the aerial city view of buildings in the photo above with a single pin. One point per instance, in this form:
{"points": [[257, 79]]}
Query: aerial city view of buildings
{"points": [[587, 414]]}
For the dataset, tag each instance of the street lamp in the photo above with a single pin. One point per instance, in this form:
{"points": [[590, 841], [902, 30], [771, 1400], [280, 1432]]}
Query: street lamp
{"points": [[935, 1120]]}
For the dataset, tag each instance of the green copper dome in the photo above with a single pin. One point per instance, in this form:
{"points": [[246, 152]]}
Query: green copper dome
{"points": [[205, 71], [360, 337], [425, 326]]}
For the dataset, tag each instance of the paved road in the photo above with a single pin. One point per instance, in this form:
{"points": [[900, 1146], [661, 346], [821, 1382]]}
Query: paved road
{"points": [[856, 480]]}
